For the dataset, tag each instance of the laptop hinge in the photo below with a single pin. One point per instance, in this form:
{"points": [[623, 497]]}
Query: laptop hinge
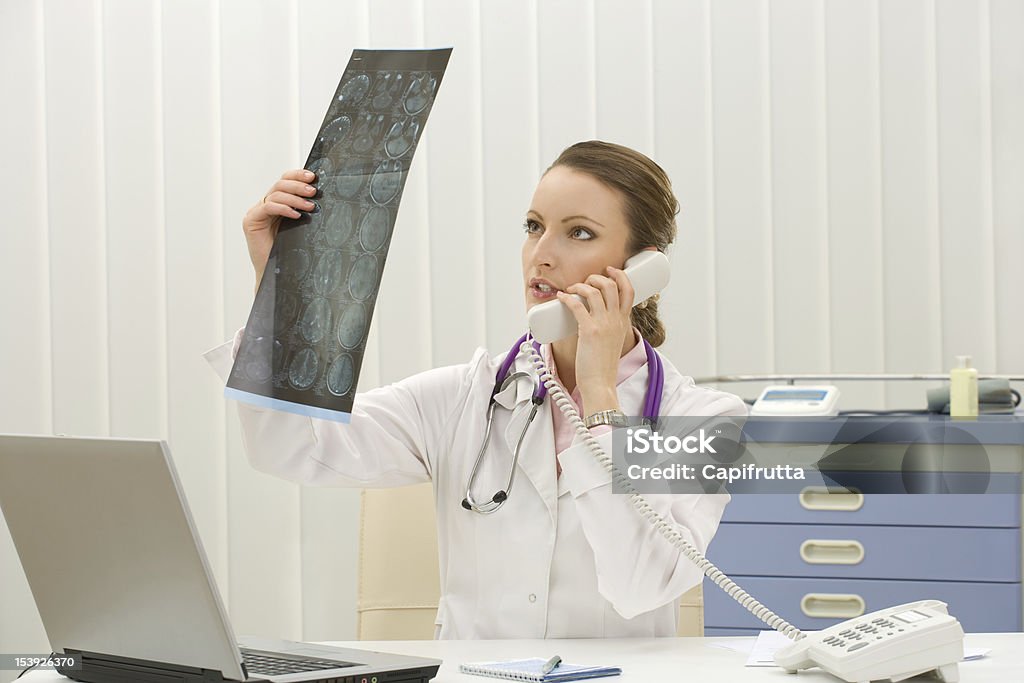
{"points": [[104, 668]]}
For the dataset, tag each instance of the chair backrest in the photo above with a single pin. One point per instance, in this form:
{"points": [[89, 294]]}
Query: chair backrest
{"points": [[399, 585]]}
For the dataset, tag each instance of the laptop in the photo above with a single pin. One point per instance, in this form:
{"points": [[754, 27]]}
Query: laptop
{"points": [[121, 580]]}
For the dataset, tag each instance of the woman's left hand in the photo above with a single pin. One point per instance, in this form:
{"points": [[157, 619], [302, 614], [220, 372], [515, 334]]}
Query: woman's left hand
{"points": [[602, 333]]}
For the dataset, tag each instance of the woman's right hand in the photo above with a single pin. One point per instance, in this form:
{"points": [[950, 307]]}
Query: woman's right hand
{"points": [[286, 198]]}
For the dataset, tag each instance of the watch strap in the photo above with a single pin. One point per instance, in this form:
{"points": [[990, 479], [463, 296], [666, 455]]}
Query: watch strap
{"points": [[612, 418]]}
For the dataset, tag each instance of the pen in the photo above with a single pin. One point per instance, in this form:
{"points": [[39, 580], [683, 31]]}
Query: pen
{"points": [[550, 665]]}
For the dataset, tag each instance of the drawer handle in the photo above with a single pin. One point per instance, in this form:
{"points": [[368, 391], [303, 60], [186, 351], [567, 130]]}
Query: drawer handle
{"points": [[831, 498], [822, 551], [832, 605]]}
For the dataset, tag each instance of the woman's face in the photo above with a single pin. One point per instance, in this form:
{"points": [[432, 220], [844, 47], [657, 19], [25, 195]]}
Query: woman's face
{"points": [[576, 226]]}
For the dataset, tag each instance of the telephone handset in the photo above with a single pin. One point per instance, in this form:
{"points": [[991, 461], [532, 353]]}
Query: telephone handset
{"points": [[648, 272], [894, 643]]}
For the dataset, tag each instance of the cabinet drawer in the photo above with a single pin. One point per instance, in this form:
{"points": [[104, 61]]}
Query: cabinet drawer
{"points": [[870, 552], [980, 607], [925, 509]]}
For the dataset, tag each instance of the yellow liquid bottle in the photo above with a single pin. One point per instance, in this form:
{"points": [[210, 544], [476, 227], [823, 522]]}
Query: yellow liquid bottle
{"points": [[963, 389]]}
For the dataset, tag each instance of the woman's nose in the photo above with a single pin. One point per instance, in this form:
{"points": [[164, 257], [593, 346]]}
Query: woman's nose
{"points": [[544, 251]]}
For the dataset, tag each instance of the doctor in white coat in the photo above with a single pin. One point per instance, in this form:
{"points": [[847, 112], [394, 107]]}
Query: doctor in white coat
{"points": [[563, 557]]}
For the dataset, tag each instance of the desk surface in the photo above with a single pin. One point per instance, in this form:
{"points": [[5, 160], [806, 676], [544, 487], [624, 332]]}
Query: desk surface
{"points": [[657, 659]]}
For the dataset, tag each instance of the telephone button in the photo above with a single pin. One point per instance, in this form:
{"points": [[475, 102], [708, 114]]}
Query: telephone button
{"points": [[857, 646], [830, 640], [847, 632]]}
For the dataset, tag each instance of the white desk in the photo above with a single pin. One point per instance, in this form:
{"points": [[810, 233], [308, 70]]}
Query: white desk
{"points": [[657, 659]]}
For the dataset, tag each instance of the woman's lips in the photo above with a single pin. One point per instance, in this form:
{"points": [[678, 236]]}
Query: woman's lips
{"points": [[542, 291]]}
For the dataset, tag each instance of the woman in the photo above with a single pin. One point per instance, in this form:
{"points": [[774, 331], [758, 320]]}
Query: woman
{"points": [[564, 556]]}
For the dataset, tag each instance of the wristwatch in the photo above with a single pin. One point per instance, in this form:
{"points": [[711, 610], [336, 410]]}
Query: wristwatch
{"points": [[612, 418]]}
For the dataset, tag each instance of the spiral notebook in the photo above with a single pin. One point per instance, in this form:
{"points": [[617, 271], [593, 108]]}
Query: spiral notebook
{"points": [[530, 670]]}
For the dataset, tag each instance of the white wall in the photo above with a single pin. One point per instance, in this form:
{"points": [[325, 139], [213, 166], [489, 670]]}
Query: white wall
{"points": [[849, 170]]}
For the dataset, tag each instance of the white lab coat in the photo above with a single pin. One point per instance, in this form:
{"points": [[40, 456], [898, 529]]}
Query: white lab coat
{"points": [[564, 557]]}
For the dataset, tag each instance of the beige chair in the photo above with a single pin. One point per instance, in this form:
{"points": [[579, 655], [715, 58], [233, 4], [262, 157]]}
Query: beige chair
{"points": [[399, 585]]}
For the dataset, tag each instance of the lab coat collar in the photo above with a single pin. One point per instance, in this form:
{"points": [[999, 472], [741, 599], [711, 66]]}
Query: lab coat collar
{"points": [[516, 393]]}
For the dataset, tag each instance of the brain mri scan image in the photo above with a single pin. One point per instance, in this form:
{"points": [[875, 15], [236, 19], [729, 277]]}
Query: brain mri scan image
{"points": [[353, 90], [352, 326], [420, 91], [367, 134], [332, 139], [259, 359], [350, 178], [387, 90], [315, 321], [362, 279], [341, 375], [401, 137], [327, 274], [285, 310], [340, 223], [373, 232], [261, 320], [292, 267], [386, 181], [303, 369]]}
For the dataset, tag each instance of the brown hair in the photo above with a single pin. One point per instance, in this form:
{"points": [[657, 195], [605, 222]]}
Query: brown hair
{"points": [[650, 206]]}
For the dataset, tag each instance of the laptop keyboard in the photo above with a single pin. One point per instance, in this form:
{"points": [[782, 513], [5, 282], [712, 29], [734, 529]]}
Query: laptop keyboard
{"points": [[279, 664]]}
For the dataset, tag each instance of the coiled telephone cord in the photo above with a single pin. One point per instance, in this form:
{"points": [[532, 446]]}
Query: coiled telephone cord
{"points": [[650, 514]]}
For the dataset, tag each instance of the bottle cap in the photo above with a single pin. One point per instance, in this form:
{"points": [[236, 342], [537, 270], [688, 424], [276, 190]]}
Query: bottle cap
{"points": [[963, 361]]}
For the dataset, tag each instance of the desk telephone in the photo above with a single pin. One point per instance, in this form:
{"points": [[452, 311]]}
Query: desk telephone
{"points": [[890, 644]]}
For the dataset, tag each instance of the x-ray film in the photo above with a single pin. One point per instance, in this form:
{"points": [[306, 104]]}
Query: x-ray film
{"points": [[303, 344]]}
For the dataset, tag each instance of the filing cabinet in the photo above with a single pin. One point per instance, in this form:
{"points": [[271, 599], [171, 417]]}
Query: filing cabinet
{"points": [[818, 557]]}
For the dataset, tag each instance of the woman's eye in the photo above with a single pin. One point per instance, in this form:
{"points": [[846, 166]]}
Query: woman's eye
{"points": [[581, 234], [531, 226]]}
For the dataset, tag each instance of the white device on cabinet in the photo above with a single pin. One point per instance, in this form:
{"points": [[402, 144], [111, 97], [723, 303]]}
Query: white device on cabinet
{"points": [[786, 400]]}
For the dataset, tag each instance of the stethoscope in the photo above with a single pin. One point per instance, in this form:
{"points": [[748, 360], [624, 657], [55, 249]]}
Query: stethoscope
{"points": [[652, 408]]}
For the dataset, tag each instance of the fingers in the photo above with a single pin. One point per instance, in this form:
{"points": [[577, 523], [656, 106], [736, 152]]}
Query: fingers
{"points": [[601, 294], [625, 287], [290, 195], [299, 174], [591, 313], [273, 208], [295, 193], [576, 307]]}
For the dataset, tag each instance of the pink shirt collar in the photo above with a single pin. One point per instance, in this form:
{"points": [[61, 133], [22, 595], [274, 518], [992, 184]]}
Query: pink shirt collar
{"points": [[634, 359]]}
